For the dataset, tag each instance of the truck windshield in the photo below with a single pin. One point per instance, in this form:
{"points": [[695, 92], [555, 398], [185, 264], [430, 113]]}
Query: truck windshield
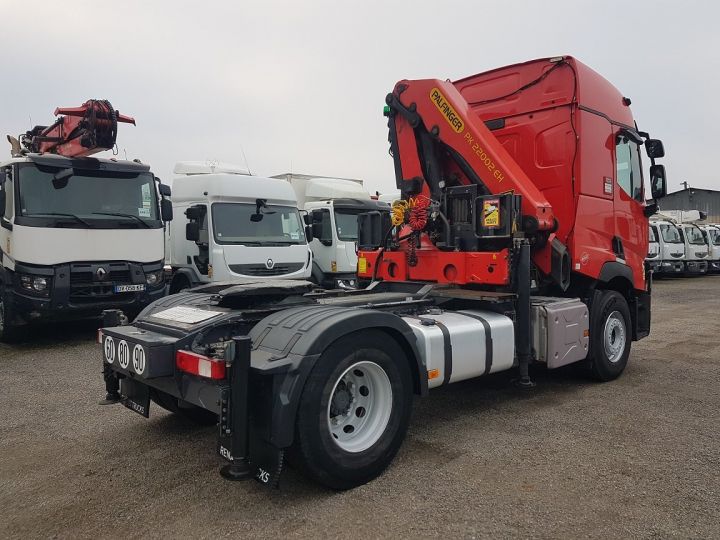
{"points": [[346, 225], [280, 225], [670, 234], [694, 235], [714, 234], [86, 199]]}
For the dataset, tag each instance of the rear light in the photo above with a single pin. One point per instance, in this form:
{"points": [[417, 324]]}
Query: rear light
{"points": [[197, 364], [100, 337]]}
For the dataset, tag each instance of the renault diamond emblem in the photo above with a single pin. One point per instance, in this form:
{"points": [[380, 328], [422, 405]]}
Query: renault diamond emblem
{"points": [[269, 264], [101, 273]]}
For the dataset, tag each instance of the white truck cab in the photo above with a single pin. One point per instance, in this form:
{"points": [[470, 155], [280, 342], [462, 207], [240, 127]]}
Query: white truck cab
{"points": [[332, 206], [671, 248], [712, 234], [232, 225], [78, 236], [697, 251]]}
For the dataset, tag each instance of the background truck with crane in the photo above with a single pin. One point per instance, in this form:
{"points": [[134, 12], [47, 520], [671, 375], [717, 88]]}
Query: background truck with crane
{"points": [[78, 234], [521, 238], [333, 206], [232, 225]]}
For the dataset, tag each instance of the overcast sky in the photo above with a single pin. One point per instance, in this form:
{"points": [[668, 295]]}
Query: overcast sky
{"points": [[300, 85]]}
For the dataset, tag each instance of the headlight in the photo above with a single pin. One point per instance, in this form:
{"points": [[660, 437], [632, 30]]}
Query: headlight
{"points": [[154, 278], [40, 283], [36, 284]]}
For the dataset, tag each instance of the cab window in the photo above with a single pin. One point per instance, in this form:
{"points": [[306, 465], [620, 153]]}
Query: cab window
{"points": [[6, 186], [628, 168], [653, 234]]}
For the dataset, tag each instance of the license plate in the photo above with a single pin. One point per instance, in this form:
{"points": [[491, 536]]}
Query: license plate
{"points": [[135, 396], [129, 288]]}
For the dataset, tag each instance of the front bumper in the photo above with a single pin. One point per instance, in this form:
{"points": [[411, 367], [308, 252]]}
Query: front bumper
{"points": [[340, 281], [672, 267], [72, 295], [696, 267], [654, 265], [28, 308]]}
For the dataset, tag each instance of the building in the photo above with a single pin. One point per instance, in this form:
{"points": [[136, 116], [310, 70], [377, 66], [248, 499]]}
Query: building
{"points": [[705, 200]]}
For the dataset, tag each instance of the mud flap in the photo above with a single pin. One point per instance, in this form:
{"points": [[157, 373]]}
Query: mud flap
{"points": [[265, 460]]}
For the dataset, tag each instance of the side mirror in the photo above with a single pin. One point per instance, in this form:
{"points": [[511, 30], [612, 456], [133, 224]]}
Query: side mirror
{"points": [[308, 232], [307, 219], [195, 213], [2, 203], [165, 190], [658, 181], [654, 148], [316, 230], [192, 231], [166, 210]]}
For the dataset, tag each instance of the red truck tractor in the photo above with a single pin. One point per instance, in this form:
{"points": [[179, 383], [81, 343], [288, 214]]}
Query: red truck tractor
{"points": [[520, 238]]}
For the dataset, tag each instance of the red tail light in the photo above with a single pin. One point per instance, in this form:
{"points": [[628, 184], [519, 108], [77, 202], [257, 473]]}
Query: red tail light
{"points": [[197, 364]]}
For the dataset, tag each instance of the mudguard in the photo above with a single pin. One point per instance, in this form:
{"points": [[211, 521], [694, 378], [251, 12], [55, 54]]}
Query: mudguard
{"points": [[286, 346]]}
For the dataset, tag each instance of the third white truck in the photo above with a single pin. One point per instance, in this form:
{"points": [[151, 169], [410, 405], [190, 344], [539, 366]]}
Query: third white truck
{"points": [[333, 205]]}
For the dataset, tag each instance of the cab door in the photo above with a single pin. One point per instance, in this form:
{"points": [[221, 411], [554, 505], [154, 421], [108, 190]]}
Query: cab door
{"points": [[630, 243]]}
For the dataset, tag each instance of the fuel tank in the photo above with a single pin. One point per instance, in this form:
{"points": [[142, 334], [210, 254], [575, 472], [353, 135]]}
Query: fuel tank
{"points": [[459, 345]]}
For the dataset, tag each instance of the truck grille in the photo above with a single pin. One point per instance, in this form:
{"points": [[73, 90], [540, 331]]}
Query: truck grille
{"points": [[87, 287], [262, 270]]}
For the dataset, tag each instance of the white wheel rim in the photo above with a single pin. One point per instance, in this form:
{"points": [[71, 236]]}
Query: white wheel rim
{"points": [[359, 408], [614, 336]]}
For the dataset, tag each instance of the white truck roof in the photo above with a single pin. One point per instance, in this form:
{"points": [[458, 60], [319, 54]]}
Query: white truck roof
{"points": [[232, 188], [324, 188], [681, 216], [208, 167]]}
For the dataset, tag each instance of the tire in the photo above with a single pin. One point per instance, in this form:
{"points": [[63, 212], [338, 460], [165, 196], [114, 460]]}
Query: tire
{"points": [[346, 436], [9, 332], [195, 414], [610, 335], [179, 284]]}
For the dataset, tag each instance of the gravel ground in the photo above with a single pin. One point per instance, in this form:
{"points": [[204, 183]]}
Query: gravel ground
{"points": [[638, 457]]}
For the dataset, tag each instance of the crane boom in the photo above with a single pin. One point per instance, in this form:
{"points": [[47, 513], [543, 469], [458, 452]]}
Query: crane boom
{"points": [[78, 131]]}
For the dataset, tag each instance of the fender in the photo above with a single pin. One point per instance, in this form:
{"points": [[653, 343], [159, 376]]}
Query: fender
{"points": [[286, 346], [612, 269]]}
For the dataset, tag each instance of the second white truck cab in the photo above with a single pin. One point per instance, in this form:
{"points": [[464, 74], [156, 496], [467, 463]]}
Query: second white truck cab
{"points": [[232, 225], [670, 246], [712, 233], [333, 205], [697, 252]]}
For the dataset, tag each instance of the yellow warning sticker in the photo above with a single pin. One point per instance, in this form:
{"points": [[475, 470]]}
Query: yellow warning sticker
{"points": [[362, 265], [446, 109], [491, 213]]}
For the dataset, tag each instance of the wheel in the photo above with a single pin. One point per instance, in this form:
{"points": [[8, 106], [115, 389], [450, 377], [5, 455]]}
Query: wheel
{"points": [[179, 283], [195, 414], [9, 332], [610, 335], [354, 410]]}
